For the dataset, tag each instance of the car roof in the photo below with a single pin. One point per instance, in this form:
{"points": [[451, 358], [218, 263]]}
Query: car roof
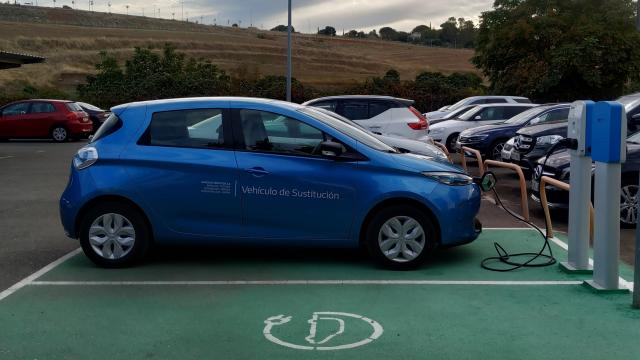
{"points": [[355, 97], [497, 97], [505, 104], [198, 100]]}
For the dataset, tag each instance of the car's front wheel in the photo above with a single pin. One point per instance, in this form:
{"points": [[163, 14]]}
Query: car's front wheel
{"points": [[400, 237], [629, 204], [451, 142], [114, 235], [496, 150]]}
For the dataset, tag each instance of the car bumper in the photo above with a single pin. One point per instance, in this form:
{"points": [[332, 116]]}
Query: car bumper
{"points": [[81, 128], [474, 145], [456, 209]]}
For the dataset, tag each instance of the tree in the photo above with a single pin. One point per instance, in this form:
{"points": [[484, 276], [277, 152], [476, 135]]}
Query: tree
{"points": [[352, 34], [283, 28], [387, 33], [373, 34], [328, 31], [559, 50]]}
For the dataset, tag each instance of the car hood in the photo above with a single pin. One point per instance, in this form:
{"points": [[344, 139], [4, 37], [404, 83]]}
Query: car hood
{"points": [[487, 129], [424, 163], [413, 146], [451, 123], [552, 127]]}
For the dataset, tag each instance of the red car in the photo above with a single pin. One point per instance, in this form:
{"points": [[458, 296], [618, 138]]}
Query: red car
{"points": [[60, 120]]}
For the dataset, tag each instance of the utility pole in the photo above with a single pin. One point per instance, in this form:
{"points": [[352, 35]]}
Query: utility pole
{"points": [[182, 4], [638, 15], [289, 55], [127, 6]]}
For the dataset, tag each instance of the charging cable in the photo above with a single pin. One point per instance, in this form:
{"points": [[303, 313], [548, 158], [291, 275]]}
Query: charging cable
{"points": [[545, 255]]}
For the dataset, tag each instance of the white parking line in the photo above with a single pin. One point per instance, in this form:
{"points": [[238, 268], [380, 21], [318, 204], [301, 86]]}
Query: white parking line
{"points": [[29, 279], [302, 282], [6, 157]]}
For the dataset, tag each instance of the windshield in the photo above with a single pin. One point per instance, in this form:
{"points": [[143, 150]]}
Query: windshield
{"points": [[457, 105], [524, 116], [470, 114], [635, 138], [353, 132], [89, 106], [462, 110]]}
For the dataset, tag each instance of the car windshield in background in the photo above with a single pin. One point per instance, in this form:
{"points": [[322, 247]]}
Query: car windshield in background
{"points": [[354, 132], [73, 107], [524, 116], [457, 105], [469, 114], [635, 138], [454, 114], [89, 106]]}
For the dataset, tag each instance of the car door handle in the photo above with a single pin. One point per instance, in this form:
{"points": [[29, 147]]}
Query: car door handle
{"points": [[257, 171]]}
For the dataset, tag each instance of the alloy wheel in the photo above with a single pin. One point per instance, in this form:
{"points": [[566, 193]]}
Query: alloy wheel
{"points": [[59, 134], [401, 239], [629, 204]]}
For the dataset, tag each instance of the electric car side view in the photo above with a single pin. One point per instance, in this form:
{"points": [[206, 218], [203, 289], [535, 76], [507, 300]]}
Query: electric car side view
{"points": [[269, 173]]}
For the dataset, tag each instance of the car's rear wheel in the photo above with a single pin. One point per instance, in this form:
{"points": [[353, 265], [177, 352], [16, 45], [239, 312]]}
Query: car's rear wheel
{"points": [[114, 235], [59, 134], [629, 204], [400, 237], [496, 150], [451, 142]]}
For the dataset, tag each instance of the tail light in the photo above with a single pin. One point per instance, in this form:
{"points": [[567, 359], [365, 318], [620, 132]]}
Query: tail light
{"points": [[78, 116], [421, 124]]}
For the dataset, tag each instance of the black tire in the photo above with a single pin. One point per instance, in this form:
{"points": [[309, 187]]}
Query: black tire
{"points": [[496, 146], [59, 134], [374, 229], [628, 202], [451, 142], [137, 220]]}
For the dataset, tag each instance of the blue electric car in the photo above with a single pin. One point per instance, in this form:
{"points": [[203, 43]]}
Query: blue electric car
{"points": [[248, 171]]}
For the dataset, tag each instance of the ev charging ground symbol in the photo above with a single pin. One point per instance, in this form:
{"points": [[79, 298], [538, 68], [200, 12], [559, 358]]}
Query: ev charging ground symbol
{"points": [[319, 344]]}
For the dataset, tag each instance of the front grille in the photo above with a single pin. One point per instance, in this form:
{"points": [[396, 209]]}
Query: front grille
{"points": [[524, 143]]}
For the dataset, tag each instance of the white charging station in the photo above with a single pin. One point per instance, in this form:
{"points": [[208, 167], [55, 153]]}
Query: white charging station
{"points": [[608, 150], [579, 129]]}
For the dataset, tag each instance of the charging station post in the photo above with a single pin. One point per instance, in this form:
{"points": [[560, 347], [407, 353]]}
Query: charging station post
{"points": [[636, 272], [579, 130], [608, 139]]}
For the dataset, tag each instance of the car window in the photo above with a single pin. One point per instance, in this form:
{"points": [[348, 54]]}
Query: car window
{"points": [[89, 106], [555, 115], [522, 100], [42, 107], [490, 113], [330, 105], [495, 101], [526, 115], [377, 107], [477, 102], [513, 111], [16, 109], [268, 132], [355, 109], [194, 128]]}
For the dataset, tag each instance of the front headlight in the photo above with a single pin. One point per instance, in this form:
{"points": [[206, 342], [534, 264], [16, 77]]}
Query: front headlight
{"points": [[548, 139], [475, 138], [85, 157], [449, 178]]}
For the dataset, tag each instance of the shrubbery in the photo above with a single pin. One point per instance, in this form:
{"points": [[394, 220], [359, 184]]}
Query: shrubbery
{"points": [[148, 75]]}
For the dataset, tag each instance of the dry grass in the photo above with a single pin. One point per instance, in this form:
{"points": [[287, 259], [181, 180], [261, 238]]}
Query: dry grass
{"points": [[72, 51]]}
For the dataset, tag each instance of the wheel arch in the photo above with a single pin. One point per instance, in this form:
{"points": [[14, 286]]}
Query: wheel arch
{"points": [[398, 201]]}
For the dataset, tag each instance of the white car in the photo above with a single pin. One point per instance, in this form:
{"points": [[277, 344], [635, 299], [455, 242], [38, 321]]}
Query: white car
{"points": [[383, 115], [447, 132], [476, 100]]}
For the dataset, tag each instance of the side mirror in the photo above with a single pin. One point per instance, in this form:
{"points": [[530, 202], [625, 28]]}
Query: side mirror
{"points": [[487, 182], [478, 117], [534, 121], [330, 149]]}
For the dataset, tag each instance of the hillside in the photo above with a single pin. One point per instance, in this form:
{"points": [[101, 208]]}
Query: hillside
{"points": [[72, 39]]}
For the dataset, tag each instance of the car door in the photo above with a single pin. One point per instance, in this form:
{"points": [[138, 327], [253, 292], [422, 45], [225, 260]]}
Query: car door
{"points": [[289, 192], [12, 118], [40, 119], [185, 170]]}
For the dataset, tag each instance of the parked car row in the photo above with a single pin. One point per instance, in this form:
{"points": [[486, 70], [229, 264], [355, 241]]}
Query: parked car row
{"points": [[526, 138], [59, 120]]}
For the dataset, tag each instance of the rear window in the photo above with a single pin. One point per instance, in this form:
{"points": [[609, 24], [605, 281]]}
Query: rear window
{"points": [[109, 126], [522, 100], [73, 107], [89, 106], [378, 107], [355, 109], [327, 105]]}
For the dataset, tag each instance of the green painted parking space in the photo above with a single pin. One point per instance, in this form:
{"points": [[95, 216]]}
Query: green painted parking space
{"points": [[461, 263], [202, 309]]}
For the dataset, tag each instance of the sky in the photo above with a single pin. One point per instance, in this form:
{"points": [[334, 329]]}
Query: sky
{"points": [[308, 15]]}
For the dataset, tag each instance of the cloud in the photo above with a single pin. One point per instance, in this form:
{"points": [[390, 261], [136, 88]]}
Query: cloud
{"points": [[307, 14]]}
